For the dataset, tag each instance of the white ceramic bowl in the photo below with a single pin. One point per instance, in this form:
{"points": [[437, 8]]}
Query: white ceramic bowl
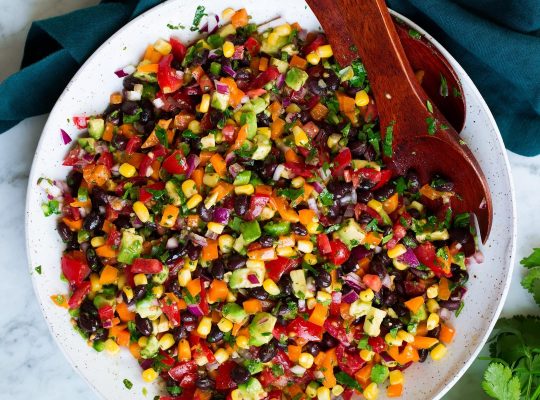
{"points": [[88, 92]]}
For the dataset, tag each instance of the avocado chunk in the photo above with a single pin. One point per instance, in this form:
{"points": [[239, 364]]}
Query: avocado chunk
{"points": [[260, 329], [234, 312], [263, 147], [299, 283], [279, 64], [130, 246], [351, 233], [240, 278], [148, 307], [87, 144], [276, 229], [296, 78], [420, 315], [220, 101], [257, 105], [359, 308], [96, 127], [151, 348], [273, 49], [249, 118], [162, 276], [252, 390], [102, 300]]}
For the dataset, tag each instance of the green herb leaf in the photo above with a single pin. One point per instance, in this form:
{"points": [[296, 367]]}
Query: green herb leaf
{"points": [[199, 14], [161, 134], [38, 269], [401, 185], [533, 260], [346, 380], [429, 106], [174, 27], [443, 88], [531, 282], [128, 384], [388, 138], [415, 34], [500, 384], [431, 125], [291, 194], [326, 198]]}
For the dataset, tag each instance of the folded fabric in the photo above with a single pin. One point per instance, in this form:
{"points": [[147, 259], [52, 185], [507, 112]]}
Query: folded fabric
{"points": [[496, 41]]}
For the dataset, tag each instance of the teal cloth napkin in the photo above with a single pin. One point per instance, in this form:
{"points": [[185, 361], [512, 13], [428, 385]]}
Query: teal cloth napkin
{"points": [[496, 41]]}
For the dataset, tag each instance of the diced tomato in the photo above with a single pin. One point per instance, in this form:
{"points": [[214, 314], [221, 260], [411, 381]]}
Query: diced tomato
{"points": [[339, 252], [323, 243], [349, 361], [146, 266], [168, 80], [106, 313], [279, 331], [229, 131], [106, 159], [185, 373], [224, 380], [176, 163], [334, 327], [342, 161], [170, 309], [178, 48], [75, 158], [257, 203], [203, 304], [386, 175], [145, 166], [317, 42], [264, 77], [372, 281], [78, 295], [133, 144], [426, 254], [299, 169], [75, 267], [145, 195], [303, 329], [377, 344], [80, 122], [281, 265], [114, 237]]}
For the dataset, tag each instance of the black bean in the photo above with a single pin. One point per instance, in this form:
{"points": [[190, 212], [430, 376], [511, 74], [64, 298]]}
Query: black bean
{"points": [[414, 181], [176, 254], [400, 310], [460, 277], [193, 251], [357, 148], [240, 374], [100, 335], [88, 323], [149, 127], [349, 266], [377, 265], [93, 260], [263, 120], [266, 241], [313, 87], [389, 298], [241, 204], [179, 333], [422, 274], [215, 335], [65, 233], [74, 180], [299, 229], [188, 317], [267, 352], [218, 269], [130, 81], [99, 197], [331, 79], [93, 221], [390, 323], [259, 293], [385, 192], [236, 261], [442, 184], [328, 342], [339, 189], [243, 73], [451, 305], [205, 383], [206, 214], [145, 116], [129, 107], [370, 154], [434, 333], [88, 307], [119, 141], [423, 353], [122, 222], [460, 235], [323, 280], [312, 348], [285, 285], [139, 292], [285, 307], [144, 326], [174, 287], [333, 211], [268, 169]]}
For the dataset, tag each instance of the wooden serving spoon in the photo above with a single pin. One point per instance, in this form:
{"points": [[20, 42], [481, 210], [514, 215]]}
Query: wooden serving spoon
{"points": [[421, 137]]}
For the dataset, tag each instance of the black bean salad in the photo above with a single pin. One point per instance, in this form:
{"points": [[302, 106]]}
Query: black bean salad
{"points": [[229, 219]]}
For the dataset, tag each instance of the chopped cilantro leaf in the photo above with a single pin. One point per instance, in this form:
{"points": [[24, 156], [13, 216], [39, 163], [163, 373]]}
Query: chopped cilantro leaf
{"points": [[326, 198], [199, 14]]}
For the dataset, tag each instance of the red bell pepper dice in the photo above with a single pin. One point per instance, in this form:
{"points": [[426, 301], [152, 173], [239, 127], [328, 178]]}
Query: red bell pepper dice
{"points": [[299, 169], [145, 166], [146, 266], [281, 265], [323, 243], [181, 369], [78, 295], [303, 329], [264, 77], [426, 254], [317, 42], [167, 78], [257, 203], [106, 313], [224, 380], [178, 48], [145, 195], [386, 175], [106, 159], [377, 344], [342, 161], [252, 45], [339, 252], [176, 163], [349, 362], [75, 267], [170, 309]]}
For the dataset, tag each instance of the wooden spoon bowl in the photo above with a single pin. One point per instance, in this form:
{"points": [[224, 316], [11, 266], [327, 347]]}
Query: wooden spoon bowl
{"points": [[422, 139]]}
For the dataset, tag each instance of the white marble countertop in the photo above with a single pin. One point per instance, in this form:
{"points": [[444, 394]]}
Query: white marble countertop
{"points": [[31, 365]]}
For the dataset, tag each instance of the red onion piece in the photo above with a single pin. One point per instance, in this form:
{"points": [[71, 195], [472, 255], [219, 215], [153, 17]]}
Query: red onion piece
{"points": [[280, 81], [253, 279], [228, 70], [65, 137], [230, 157], [221, 215], [238, 53], [318, 186], [350, 297], [354, 281], [235, 169], [195, 309], [198, 239], [278, 171], [221, 87], [193, 162], [409, 258], [211, 235]]}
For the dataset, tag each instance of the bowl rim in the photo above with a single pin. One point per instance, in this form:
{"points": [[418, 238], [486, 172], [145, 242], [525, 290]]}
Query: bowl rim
{"points": [[462, 74]]}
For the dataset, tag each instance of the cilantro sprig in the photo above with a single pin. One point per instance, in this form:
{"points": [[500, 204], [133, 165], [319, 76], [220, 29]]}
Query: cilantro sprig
{"points": [[531, 281]]}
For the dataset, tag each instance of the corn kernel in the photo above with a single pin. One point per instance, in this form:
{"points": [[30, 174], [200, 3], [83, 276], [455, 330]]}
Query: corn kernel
{"points": [[127, 170], [143, 341], [283, 30], [225, 243], [184, 276], [211, 200], [190, 265], [293, 108], [417, 206], [204, 326], [97, 241], [333, 140], [305, 246], [254, 264], [313, 228], [405, 336], [367, 295], [140, 279], [157, 291], [323, 393], [306, 360], [111, 346], [128, 292], [162, 324], [194, 201], [396, 377], [311, 302], [270, 286], [272, 39], [95, 286], [300, 136], [324, 297], [189, 188], [311, 390], [432, 291], [211, 179], [205, 103], [228, 49], [432, 321], [216, 227], [266, 214], [166, 341], [432, 306], [244, 189], [242, 342], [195, 126], [438, 352], [325, 51], [149, 375], [397, 251], [313, 58], [162, 47], [227, 14], [310, 259], [401, 266], [287, 252], [393, 341], [366, 355], [298, 182], [371, 392], [361, 99], [141, 211], [375, 205], [236, 394], [221, 355], [225, 325]]}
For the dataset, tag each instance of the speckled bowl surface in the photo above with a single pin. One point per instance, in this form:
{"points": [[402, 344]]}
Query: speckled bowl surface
{"points": [[88, 92]]}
